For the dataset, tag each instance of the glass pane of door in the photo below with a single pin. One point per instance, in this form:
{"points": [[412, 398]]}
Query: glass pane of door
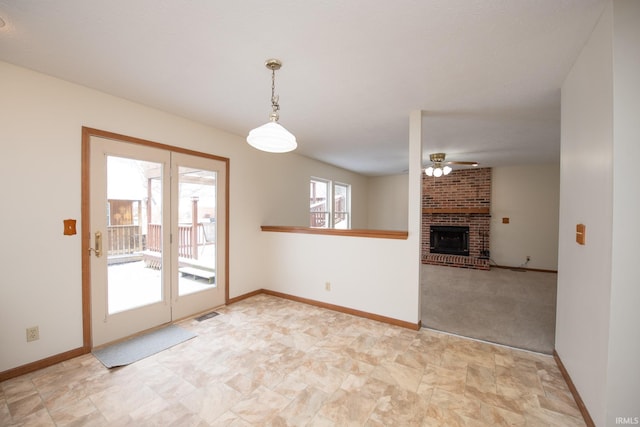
{"points": [[199, 249], [129, 205], [134, 233], [197, 229]]}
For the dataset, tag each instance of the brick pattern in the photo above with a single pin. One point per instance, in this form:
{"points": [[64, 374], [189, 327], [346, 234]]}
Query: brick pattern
{"points": [[456, 261], [466, 188], [462, 189]]}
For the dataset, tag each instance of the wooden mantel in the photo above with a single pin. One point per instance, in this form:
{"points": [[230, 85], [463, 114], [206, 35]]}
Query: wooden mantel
{"points": [[380, 234], [463, 211]]}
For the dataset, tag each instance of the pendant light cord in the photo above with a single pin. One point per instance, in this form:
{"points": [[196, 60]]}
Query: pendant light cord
{"points": [[274, 99]]}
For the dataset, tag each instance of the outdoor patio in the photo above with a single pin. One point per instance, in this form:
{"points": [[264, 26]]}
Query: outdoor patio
{"points": [[133, 285]]}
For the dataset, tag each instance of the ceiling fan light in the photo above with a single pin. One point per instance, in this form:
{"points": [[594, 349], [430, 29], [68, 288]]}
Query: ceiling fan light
{"points": [[440, 168], [273, 138]]}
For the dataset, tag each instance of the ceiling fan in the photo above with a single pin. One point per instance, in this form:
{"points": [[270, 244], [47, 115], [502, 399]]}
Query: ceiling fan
{"points": [[439, 167]]}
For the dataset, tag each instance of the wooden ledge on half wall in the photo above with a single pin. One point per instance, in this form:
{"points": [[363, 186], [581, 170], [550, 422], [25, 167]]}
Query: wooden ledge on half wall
{"points": [[379, 234]]}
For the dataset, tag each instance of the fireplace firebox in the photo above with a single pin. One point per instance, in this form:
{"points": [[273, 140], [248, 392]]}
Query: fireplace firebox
{"points": [[453, 240]]}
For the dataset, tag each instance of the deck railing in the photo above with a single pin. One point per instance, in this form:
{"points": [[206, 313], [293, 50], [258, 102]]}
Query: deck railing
{"points": [[319, 216], [124, 240], [129, 240], [189, 239]]}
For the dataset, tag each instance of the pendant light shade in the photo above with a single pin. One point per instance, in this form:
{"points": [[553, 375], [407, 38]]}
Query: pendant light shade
{"points": [[272, 136]]}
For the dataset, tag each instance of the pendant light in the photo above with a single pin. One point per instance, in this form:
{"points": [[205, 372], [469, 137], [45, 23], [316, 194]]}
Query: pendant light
{"points": [[272, 136]]}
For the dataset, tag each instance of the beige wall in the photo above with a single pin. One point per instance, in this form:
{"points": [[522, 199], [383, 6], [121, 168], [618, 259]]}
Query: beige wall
{"points": [[41, 119], [381, 276], [584, 272], [388, 202], [598, 292], [623, 375], [285, 179], [529, 196]]}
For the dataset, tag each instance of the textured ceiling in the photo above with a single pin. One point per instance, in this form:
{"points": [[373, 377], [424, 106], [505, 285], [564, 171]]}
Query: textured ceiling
{"points": [[487, 73]]}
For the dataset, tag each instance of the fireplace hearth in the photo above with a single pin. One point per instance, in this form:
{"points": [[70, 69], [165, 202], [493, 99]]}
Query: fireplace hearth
{"points": [[449, 240]]}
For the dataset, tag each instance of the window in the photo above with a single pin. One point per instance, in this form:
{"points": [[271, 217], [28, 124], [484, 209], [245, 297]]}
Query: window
{"points": [[341, 206], [329, 204]]}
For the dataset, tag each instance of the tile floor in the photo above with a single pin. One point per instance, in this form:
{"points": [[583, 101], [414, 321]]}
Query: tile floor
{"points": [[269, 361]]}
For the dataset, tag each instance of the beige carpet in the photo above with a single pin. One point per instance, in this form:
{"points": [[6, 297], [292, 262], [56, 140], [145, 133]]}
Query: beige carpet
{"points": [[514, 308]]}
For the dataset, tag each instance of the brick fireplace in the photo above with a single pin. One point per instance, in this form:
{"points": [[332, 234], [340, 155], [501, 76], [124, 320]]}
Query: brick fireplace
{"points": [[458, 200]]}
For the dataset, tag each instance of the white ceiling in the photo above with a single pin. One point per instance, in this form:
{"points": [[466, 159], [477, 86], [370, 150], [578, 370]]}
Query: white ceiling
{"points": [[487, 73]]}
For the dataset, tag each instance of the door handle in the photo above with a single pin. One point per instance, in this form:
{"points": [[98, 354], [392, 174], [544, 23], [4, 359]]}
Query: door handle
{"points": [[98, 245]]}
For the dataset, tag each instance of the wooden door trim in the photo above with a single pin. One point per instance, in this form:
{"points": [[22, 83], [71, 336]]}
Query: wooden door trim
{"points": [[85, 229]]}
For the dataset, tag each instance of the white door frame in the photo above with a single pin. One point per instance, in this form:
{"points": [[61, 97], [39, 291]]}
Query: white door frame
{"points": [[108, 326], [87, 233], [186, 304]]}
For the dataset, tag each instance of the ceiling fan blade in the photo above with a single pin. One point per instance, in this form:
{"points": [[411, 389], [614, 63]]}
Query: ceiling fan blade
{"points": [[463, 163]]}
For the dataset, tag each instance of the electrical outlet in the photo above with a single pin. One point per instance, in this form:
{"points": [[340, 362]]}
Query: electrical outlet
{"points": [[33, 334], [327, 286]]}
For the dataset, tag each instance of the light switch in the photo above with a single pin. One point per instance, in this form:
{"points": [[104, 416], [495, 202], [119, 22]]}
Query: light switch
{"points": [[580, 233], [505, 220], [69, 227]]}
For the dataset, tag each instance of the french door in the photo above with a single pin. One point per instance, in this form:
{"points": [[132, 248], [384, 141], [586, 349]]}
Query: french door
{"points": [[157, 240]]}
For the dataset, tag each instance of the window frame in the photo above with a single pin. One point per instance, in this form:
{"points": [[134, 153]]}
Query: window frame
{"points": [[347, 203], [329, 211]]}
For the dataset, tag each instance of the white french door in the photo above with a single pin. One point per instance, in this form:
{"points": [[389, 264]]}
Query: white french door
{"points": [[198, 220], [158, 230]]}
